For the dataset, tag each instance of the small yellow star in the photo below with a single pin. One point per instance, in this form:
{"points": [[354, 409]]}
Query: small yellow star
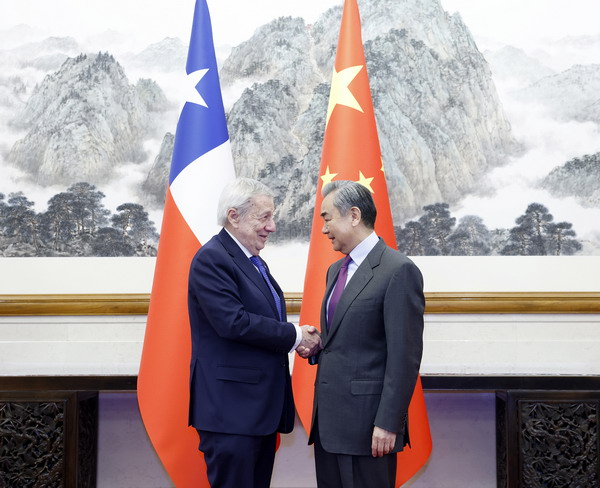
{"points": [[366, 182], [328, 177], [340, 94], [382, 169]]}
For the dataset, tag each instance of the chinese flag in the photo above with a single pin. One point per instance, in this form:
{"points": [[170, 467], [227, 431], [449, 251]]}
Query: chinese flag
{"points": [[351, 152], [201, 166]]}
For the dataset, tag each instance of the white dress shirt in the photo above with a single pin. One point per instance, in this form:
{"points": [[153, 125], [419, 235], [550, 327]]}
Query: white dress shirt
{"points": [[359, 253], [249, 255]]}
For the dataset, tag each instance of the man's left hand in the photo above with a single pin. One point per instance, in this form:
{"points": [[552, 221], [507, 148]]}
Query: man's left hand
{"points": [[383, 442]]}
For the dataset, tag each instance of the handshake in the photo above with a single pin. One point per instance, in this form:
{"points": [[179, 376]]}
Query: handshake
{"points": [[311, 342]]}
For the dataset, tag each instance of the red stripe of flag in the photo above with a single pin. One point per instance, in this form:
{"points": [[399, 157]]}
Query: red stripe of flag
{"points": [[163, 381]]}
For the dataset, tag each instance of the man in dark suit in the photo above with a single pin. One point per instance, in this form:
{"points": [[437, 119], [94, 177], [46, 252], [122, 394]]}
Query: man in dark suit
{"points": [[240, 392], [372, 339]]}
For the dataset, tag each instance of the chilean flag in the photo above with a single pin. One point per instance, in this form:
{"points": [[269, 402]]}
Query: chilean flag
{"points": [[201, 166]]}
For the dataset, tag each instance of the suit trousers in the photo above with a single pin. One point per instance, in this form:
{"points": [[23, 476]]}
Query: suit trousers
{"points": [[235, 461], [346, 471]]}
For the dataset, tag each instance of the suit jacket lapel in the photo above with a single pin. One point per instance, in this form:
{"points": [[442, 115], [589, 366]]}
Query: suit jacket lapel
{"points": [[357, 283], [249, 269], [278, 290]]}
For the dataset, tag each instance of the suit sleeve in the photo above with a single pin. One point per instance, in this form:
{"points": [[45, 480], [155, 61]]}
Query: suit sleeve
{"points": [[404, 305], [232, 305]]}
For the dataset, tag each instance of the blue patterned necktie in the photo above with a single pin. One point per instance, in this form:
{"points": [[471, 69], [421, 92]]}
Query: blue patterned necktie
{"points": [[338, 289], [261, 267]]}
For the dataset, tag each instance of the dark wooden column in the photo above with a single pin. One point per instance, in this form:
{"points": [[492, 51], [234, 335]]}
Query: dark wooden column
{"points": [[48, 439], [548, 439]]}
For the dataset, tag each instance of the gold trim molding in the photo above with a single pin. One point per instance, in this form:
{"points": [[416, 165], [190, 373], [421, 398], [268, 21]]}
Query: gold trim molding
{"points": [[93, 304], [517, 303], [459, 303]]}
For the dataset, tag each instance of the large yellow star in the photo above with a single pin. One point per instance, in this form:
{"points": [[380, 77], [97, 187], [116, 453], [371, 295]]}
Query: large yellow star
{"points": [[366, 182], [327, 177], [340, 94]]}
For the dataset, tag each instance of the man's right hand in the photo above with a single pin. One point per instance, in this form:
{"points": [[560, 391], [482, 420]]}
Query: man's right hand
{"points": [[311, 341]]}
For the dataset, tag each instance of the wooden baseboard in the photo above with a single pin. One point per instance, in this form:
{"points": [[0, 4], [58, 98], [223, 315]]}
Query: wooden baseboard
{"points": [[433, 383]]}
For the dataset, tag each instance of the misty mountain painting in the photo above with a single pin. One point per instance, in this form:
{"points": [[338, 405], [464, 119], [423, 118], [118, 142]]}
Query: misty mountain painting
{"points": [[488, 116]]}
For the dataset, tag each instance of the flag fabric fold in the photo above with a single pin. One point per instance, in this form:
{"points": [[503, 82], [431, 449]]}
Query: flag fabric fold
{"points": [[200, 167], [351, 152]]}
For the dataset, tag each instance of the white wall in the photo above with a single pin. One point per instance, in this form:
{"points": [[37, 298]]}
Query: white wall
{"points": [[509, 344], [89, 345]]}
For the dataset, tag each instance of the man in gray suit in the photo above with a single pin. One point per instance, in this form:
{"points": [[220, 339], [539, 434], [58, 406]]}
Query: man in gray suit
{"points": [[372, 339]]}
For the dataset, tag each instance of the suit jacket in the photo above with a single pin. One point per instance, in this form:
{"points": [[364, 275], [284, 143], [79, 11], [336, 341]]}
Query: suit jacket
{"points": [[239, 371], [371, 353]]}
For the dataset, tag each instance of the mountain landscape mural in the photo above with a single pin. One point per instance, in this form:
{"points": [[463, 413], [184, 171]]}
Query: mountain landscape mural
{"points": [[485, 151]]}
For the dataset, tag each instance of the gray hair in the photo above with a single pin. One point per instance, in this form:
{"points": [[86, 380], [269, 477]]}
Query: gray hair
{"points": [[238, 194], [351, 194]]}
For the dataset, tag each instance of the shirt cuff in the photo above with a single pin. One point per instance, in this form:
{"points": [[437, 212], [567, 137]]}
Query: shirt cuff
{"points": [[298, 337]]}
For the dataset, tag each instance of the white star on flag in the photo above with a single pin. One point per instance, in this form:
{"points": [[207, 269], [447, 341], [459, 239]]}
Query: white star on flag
{"points": [[191, 93]]}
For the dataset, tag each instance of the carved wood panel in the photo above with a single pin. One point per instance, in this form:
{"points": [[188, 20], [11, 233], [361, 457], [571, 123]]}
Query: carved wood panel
{"points": [[31, 444], [48, 439], [551, 439]]}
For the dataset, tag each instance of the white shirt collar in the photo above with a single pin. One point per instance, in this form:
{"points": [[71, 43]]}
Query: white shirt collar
{"points": [[359, 253], [246, 252]]}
